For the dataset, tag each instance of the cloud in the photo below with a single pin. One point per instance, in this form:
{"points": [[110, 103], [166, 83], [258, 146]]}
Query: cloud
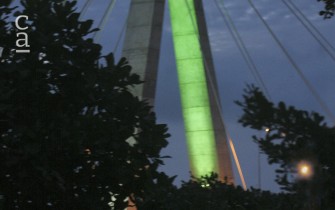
{"points": [[271, 14], [220, 42]]}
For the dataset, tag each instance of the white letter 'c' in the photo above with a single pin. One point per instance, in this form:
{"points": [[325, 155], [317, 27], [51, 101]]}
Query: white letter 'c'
{"points": [[17, 22]]}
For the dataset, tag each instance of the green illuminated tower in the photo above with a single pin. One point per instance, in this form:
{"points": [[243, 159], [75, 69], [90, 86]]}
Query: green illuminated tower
{"points": [[204, 128]]}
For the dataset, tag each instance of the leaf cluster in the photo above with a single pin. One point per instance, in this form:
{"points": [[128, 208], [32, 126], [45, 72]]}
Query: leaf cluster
{"points": [[329, 9]]}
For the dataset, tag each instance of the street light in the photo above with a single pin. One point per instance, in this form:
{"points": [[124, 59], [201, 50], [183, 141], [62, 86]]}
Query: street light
{"points": [[305, 170], [311, 188]]}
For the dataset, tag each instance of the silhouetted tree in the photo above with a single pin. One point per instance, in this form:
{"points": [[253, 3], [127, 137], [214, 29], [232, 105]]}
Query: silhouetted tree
{"points": [[294, 136], [72, 134]]}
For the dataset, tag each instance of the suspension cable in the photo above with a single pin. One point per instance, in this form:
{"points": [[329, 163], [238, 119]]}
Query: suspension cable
{"points": [[307, 25], [241, 46], [216, 99], [312, 25], [104, 20], [84, 9], [295, 66], [120, 36]]}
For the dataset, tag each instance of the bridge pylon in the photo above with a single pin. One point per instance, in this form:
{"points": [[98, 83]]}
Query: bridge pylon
{"points": [[204, 127]]}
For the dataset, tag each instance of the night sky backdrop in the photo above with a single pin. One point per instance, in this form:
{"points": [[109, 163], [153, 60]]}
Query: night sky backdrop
{"points": [[232, 72]]}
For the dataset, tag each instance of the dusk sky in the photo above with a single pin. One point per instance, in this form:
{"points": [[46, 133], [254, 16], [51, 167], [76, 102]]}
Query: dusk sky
{"points": [[280, 78]]}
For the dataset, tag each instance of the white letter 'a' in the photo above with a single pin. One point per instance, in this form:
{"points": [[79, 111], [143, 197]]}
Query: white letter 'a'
{"points": [[24, 39], [17, 22]]}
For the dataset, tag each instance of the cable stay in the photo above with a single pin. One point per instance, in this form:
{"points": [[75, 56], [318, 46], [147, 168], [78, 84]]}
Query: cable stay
{"points": [[84, 9], [241, 46], [310, 28], [295, 66], [120, 36], [104, 20], [217, 101]]}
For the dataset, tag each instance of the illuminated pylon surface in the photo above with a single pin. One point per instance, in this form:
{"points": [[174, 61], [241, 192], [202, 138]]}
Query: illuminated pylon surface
{"points": [[204, 128]]}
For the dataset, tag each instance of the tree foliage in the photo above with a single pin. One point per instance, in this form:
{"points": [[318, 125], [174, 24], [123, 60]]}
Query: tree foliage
{"points": [[293, 136], [72, 135], [329, 9], [210, 193]]}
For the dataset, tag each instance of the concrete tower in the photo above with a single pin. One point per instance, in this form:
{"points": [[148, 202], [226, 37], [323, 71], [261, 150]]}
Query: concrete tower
{"points": [[142, 43], [204, 128]]}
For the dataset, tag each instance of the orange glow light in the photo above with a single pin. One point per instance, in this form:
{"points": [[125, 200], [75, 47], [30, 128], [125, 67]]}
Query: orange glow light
{"points": [[305, 170]]}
